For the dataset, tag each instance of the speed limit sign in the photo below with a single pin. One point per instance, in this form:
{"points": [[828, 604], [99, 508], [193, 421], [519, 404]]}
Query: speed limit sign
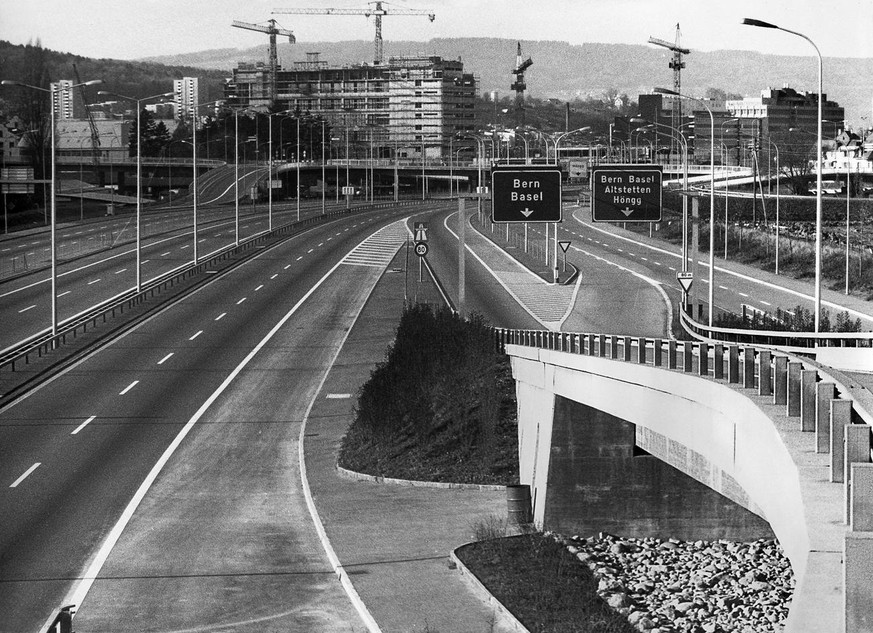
{"points": [[421, 249]]}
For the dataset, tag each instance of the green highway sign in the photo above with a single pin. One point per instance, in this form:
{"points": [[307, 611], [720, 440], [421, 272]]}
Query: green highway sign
{"points": [[526, 193], [626, 193]]}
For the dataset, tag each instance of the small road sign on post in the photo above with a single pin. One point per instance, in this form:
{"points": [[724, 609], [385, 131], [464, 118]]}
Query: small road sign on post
{"points": [[685, 278], [529, 193], [626, 193], [421, 249], [419, 230], [564, 244]]}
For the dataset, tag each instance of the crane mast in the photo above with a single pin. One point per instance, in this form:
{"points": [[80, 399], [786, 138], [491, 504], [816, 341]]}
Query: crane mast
{"points": [[518, 85], [272, 30], [377, 10], [676, 64]]}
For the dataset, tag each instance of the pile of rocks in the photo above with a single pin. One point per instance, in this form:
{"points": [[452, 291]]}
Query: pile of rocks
{"points": [[700, 587]]}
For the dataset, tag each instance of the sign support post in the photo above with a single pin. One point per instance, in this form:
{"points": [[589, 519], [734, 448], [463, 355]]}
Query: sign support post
{"points": [[555, 251], [461, 248]]}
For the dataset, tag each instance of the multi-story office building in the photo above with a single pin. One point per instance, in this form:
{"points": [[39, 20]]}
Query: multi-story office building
{"points": [[186, 96], [63, 100], [414, 105]]}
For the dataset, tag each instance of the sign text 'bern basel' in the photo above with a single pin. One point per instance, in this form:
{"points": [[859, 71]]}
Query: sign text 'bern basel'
{"points": [[626, 193], [526, 194]]}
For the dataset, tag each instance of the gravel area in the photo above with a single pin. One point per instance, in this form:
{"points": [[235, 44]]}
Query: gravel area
{"points": [[701, 587]]}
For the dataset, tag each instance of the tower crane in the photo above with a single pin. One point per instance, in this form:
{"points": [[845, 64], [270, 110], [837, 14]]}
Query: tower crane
{"points": [[677, 65], [375, 9], [272, 30], [518, 85]]}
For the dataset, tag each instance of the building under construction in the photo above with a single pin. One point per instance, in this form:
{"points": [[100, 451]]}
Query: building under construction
{"points": [[413, 105]]}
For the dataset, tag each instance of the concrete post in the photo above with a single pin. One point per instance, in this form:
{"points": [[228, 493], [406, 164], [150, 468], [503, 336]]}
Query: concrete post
{"points": [[627, 349], [733, 364], [807, 399], [780, 380], [703, 359], [793, 404], [841, 416], [861, 502], [749, 367], [718, 361], [824, 393], [857, 450], [656, 352], [641, 350], [858, 590], [592, 345], [671, 354], [764, 387], [603, 345], [687, 356], [613, 343]]}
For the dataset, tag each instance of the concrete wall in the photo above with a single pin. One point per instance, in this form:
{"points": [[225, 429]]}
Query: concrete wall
{"points": [[599, 479]]}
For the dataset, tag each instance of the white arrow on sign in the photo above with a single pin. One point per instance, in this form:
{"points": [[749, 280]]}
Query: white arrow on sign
{"points": [[627, 211], [526, 212]]}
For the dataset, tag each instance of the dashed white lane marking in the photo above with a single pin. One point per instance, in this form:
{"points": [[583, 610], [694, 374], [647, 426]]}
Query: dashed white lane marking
{"points": [[26, 309], [123, 270], [25, 475], [165, 254], [241, 300], [129, 387], [274, 276], [83, 425], [198, 333], [766, 303], [165, 358], [182, 248], [338, 396], [145, 261], [742, 294], [259, 287], [66, 292], [299, 258], [724, 287], [309, 251], [221, 316], [91, 283], [287, 267]]}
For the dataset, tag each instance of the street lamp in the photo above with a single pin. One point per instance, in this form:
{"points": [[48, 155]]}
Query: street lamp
{"points": [[711, 194], [54, 210], [818, 195], [561, 136], [138, 173]]}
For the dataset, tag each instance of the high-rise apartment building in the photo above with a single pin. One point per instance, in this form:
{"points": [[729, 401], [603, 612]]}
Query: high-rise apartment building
{"points": [[63, 100], [186, 96], [411, 105]]}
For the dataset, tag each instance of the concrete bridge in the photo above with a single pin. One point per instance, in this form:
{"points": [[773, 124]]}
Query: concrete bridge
{"points": [[643, 437]]}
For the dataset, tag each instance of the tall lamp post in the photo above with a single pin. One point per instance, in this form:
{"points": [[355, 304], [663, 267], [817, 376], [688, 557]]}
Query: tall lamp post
{"points": [[818, 201], [561, 136], [54, 209], [139, 135], [711, 194]]}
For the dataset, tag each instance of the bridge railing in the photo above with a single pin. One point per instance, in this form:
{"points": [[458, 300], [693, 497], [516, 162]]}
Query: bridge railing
{"points": [[837, 413]]}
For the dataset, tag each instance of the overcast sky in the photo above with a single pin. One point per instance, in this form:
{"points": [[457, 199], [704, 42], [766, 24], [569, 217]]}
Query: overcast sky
{"points": [[130, 29]]}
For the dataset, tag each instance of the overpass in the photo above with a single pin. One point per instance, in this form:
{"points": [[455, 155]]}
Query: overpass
{"points": [[638, 435]]}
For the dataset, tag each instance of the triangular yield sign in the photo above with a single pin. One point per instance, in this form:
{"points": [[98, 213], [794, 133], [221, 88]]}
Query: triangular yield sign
{"points": [[564, 245]]}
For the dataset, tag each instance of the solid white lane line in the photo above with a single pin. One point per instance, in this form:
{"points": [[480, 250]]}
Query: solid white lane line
{"points": [[27, 308], [196, 335], [25, 475], [221, 316], [165, 358], [241, 300], [129, 387], [83, 425]]}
